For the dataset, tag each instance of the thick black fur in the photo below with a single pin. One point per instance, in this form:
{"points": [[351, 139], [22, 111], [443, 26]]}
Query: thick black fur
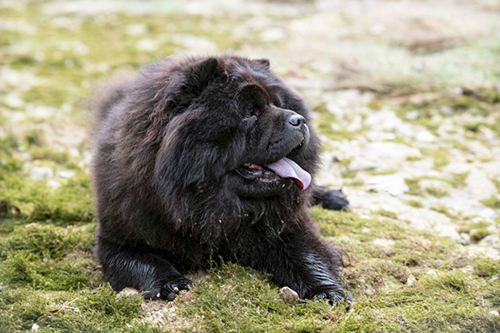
{"points": [[171, 191]]}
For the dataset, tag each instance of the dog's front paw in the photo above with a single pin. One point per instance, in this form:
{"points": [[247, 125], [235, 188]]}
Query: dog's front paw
{"points": [[334, 200], [167, 288], [334, 296]]}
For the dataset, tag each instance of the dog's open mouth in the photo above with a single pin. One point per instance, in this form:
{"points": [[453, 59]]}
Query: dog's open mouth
{"points": [[283, 168]]}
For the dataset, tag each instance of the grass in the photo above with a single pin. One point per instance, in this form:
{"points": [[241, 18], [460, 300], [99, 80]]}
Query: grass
{"points": [[52, 59], [492, 202]]}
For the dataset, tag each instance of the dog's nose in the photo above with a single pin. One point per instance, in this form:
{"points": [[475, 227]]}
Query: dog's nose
{"points": [[296, 120]]}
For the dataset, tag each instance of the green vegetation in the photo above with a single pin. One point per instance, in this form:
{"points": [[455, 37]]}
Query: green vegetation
{"points": [[401, 279], [493, 202], [415, 203]]}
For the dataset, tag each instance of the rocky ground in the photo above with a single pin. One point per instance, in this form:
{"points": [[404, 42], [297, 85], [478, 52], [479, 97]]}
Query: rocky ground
{"points": [[438, 176], [405, 97]]}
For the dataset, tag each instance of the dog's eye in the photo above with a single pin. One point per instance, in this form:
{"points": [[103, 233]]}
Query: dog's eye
{"points": [[252, 113], [250, 116]]}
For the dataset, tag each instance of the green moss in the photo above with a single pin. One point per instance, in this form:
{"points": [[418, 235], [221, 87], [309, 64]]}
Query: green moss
{"points": [[477, 234], [487, 267], [37, 256], [96, 311], [349, 173], [492, 202], [45, 153], [236, 298], [458, 180], [415, 203], [436, 191], [48, 274], [414, 186], [470, 227], [388, 214], [354, 183], [324, 125], [444, 210], [414, 158], [440, 159], [34, 137]]}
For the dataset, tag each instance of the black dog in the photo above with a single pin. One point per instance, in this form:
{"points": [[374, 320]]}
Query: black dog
{"points": [[207, 157]]}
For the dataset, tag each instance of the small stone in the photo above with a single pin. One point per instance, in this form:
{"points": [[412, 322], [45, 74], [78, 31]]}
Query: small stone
{"points": [[479, 186], [464, 239], [362, 165], [136, 29], [411, 115], [127, 292], [389, 151], [65, 173], [385, 120], [448, 230], [490, 241], [392, 184], [35, 328], [411, 280], [446, 110], [432, 272], [53, 184], [273, 34], [488, 214], [494, 313], [467, 269], [146, 45], [288, 295], [41, 173], [386, 243], [336, 110], [42, 111], [425, 136]]}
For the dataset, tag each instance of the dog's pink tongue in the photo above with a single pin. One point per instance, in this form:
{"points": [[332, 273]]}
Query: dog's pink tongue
{"points": [[286, 168]]}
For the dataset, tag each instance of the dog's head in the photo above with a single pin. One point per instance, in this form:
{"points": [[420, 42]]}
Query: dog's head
{"points": [[232, 125]]}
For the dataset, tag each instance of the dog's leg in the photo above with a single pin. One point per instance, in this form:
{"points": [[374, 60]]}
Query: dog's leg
{"points": [[124, 266], [300, 261], [330, 199]]}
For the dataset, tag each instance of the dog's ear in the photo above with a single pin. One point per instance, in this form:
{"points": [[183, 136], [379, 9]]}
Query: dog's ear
{"points": [[264, 62], [203, 71]]}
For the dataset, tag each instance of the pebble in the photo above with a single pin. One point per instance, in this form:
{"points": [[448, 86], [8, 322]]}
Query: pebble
{"points": [[494, 313], [288, 295], [488, 214], [490, 241], [431, 272], [411, 115], [479, 186], [392, 184], [389, 150], [65, 173], [362, 165], [467, 269], [411, 280], [146, 44], [383, 120], [448, 230], [464, 239], [41, 173], [425, 136], [386, 243]]}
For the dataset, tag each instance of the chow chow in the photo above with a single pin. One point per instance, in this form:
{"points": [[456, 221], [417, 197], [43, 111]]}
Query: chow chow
{"points": [[201, 158]]}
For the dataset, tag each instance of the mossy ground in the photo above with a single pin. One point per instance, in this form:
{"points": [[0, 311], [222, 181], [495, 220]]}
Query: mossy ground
{"points": [[401, 279]]}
